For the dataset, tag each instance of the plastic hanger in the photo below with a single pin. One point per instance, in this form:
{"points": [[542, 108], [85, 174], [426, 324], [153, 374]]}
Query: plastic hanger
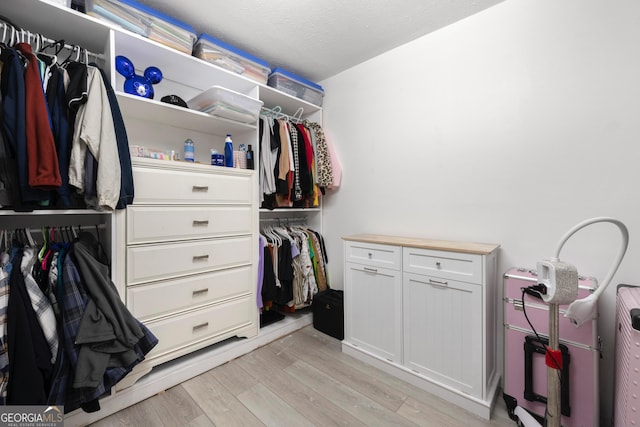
{"points": [[45, 243]]}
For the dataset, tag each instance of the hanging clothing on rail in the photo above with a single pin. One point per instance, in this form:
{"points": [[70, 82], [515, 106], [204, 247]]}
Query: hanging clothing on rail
{"points": [[62, 125], [70, 349], [294, 267], [292, 179], [94, 131], [43, 170], [30, 368], [15, 133]]}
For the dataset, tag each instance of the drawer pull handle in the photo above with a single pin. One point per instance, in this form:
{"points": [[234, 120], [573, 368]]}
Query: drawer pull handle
{"points": [[438, 264], [196, 222], [200, 326], [204, 188], [518, 305], [371, 270], [200, 258], [370, 255], [438, 283], [200, 292]]}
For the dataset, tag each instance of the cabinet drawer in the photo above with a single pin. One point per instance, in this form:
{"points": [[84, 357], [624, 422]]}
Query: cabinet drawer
{"points": [[372, 254], [169, 296], [146, 224], [163, 261], [158, 186], [448, 265], [179, 331]]}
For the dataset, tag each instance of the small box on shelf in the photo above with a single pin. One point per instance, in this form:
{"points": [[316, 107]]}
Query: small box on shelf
{"points": [[222, 102], [297, 86], [145, 21], [231, 58]]}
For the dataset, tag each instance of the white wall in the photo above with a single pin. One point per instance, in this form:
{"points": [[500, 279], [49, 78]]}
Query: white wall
{"points": [[508, 127]]}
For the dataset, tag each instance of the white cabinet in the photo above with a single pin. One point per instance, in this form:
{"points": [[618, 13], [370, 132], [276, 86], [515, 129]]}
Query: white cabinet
{"points": [[190, 255], [374, 320], [425, 310]]}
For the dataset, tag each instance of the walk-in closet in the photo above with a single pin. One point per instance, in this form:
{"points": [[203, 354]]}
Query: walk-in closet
{"points": [[329, 213]]}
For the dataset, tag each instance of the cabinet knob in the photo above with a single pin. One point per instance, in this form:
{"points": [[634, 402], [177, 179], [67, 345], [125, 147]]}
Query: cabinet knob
{"points": [[438, 264], [370, 255]]}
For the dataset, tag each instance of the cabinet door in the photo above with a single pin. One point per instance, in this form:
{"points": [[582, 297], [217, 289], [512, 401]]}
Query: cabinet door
{"points": [[373, 310], [443, 331]]}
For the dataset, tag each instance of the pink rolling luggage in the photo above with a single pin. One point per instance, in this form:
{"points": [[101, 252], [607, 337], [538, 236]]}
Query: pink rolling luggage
{"points": [[525, 371], [627, 356]]}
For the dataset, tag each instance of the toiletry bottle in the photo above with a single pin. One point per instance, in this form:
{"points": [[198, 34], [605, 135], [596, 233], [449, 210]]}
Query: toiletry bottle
{"points": [[249, 158], [189, 151], [228, 152]]}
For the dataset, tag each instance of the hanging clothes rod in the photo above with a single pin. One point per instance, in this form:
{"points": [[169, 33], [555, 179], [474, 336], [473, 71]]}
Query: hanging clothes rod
{"points": [[11, 34], [276, 113], [285, 220]]}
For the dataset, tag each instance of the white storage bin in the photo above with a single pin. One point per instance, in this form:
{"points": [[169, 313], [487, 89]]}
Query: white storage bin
{"points": [[145, 21], [231, 58], [226, 103], [297, 86]]}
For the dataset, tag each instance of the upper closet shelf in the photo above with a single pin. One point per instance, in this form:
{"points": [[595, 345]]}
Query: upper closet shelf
{"points": [[196, 75], [273, 97], [58, 22]]}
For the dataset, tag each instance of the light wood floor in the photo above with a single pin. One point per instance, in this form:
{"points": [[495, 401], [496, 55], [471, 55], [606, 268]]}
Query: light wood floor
{"points": [[302, 379]]}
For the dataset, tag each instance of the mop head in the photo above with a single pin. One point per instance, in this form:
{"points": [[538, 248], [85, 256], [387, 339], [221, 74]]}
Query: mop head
{"points": [[560, 280]]}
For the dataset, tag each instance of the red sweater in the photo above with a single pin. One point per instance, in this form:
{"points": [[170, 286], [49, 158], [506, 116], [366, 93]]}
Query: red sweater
{"points": [[42, 159]]}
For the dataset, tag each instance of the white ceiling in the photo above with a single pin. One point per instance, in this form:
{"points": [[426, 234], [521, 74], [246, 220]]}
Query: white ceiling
{"points": [[318, 39]]}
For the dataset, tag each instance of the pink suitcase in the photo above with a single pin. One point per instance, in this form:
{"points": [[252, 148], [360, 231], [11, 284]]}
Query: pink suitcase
{"points": [[525, 379], [627, 356]]}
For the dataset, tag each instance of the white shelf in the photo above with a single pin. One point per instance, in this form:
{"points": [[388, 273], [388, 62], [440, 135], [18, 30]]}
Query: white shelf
{"points": [[161, 112], [273, 97]]}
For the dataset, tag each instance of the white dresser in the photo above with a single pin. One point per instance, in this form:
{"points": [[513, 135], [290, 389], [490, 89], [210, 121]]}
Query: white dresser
{"points": [[425, 310], [190, 255]]}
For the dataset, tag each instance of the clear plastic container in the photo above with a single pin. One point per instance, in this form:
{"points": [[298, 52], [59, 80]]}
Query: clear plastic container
{"points": [[231, 58], [145, 21], [222, 102], [297, 86]]}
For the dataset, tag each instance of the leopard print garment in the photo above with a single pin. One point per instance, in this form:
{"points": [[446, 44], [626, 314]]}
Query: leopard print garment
{"points": [[323, 160]]}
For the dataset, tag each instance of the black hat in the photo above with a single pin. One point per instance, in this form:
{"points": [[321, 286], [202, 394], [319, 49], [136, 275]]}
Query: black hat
{"points": [[174, 100]]}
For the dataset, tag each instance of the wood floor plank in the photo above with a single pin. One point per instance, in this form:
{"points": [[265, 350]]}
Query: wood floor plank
{"points": [[142, 414], [175, 407], [270, 409], [301, 378], [358, 405], [201, 421], [360, 368], [218, 403], [234, 378], [315, 407], [307, 348]]}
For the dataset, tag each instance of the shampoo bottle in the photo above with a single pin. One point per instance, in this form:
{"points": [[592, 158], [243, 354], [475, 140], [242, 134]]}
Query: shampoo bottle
{"points": [[249, 158], [228, 152]]}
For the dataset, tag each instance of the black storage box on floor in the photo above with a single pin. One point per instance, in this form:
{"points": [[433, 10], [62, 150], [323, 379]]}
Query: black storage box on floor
{"points": [[328, 313]]}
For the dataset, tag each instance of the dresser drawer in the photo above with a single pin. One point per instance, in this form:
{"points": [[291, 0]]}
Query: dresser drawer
{"points": [[151, 300], [449, 265], [147, 224], [189, 328], [164, 261], [373, 254], [161, 186]]}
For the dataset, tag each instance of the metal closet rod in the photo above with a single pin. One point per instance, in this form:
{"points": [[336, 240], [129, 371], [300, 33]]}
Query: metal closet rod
{"points": [[286, 220], [276, 113], [17, 35]]}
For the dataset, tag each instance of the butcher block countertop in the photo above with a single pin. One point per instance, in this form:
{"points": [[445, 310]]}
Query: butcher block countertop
{"points": [[417, 242]]}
